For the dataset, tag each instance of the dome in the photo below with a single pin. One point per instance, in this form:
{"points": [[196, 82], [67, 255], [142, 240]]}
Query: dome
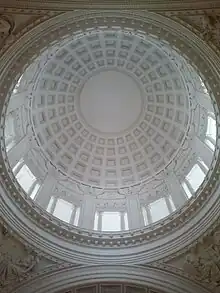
{"points": [[110, 130], [110, 109], [110, 140]]}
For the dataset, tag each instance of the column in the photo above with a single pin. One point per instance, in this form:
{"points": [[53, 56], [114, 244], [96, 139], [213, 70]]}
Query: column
{"points": [[122, 215], [167, 200], [87, 213], [149, 216], [135, 217], [203, 151], [18, 150], [44, 194], [100, 214], [175, 190]]}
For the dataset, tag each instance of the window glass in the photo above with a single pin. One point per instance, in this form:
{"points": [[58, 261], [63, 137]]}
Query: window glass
{"points": [[195, 177], [211, 128], [111, 221], [76, 219], [186, 189], [63, 210], [158, 209], [25, 178]]}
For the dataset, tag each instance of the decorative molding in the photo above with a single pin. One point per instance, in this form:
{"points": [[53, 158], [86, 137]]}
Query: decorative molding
{"points": [[11, 31], [66, 277], [203, 263], [7, 26], [206, 23], [200, 265], [135, 238], [153, 5], [15, 270], [16, 261], [111, 287]]}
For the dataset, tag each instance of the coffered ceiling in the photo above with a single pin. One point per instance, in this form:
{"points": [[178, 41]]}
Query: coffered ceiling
{"points": [[26, 263]]}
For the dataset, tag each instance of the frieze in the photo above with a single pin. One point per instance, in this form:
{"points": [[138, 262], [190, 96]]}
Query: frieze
{"points": [[203, 262], [57, 229], [11, 32], [7, 26], [15, 270], [125, 272], [7, 232], [16, 261], [199, 262], [202, 268], [205, 23]]}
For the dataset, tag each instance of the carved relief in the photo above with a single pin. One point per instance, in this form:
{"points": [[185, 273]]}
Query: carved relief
{"points": [[10, 267], [15, 270], [211, 28], [204, 261], [7, 26], [206, 23], [16, 261]]}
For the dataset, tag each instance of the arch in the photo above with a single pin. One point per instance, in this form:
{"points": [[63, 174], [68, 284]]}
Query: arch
{"points": [[50, 236], [65, 278]]}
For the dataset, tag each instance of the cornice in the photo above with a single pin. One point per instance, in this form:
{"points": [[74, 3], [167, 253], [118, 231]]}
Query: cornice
{"points": [[151, 5], [64, 234], [66, 276]]}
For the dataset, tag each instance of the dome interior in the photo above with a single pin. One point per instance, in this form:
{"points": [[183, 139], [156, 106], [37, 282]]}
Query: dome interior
{"points": [[111, 132]]}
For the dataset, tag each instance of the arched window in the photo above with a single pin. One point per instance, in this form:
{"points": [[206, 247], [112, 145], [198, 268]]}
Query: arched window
{"points": [[64, 210], [194, 178], [157, 210], [111, 221], [25, 178]]}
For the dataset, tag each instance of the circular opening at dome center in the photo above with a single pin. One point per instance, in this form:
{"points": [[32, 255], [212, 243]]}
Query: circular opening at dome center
{"points": [[110, 101]]}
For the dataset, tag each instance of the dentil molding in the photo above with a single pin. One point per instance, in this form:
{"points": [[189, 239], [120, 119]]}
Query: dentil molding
{"points": [[84, 239], [201, 263]]}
